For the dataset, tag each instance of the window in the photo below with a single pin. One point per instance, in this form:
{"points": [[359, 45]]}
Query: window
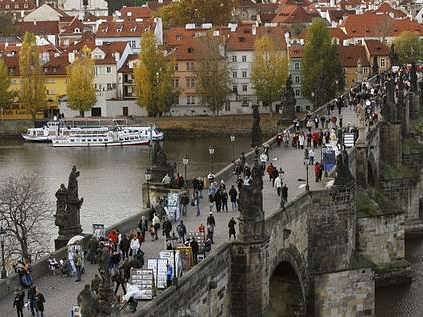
{"points": [[108, 69], [235, 89], [245, 102], [244, 74], [109, 86], [234, 75], [176, 83], [244, 88], [76, 30], [297, 79], [297, 92], [234, 58], [190, 100], [133, 44], [178, 37], [244, 59], [176, 67], [190, 66], [297, 66], [382, 62]]}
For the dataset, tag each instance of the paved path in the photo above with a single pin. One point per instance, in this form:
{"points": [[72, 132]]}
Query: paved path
{"points": [[61, 293]]}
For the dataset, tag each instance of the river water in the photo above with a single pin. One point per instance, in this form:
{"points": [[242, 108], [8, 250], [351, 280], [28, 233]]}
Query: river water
{"points": [[111, 178]]}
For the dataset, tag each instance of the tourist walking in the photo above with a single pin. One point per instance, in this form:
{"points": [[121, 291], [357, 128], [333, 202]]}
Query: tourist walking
{"points": [[182, 231], [124, 246], [224, 195], [284, 193], [194, 248], [18, 302], [143, 225], [278, 184], [167, 228], [211, 223], [31, 299], [156, 226], [78, 265], [134, 246], [233, 195], [119, 278], [39, 303], [311, 157], [231, 226]]}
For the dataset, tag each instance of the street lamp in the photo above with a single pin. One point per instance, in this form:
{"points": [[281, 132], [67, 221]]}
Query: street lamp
{"points": [[307, 187], [185, 161], [313, 101], [147, 176], [211, 152], [2, 238], [232, 138]]}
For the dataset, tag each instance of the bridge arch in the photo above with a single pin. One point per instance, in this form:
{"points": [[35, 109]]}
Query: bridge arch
{"points": [[288, 269]]}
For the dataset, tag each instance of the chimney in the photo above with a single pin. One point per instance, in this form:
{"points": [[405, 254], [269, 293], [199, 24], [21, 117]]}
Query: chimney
{"points": [[253, 29], [71, 57], [117, 56]]}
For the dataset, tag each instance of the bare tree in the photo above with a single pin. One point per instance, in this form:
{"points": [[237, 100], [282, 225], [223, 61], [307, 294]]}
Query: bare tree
{"points": [[25, 212]]}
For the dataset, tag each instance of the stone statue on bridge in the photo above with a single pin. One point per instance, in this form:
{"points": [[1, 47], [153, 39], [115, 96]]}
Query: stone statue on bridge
{"points": [[343, 173], [250, 194], [68, 206], [256, 135], [160, 165]]}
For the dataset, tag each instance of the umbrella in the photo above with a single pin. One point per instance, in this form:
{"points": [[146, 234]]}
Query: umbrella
{"points": [[75, 240]]}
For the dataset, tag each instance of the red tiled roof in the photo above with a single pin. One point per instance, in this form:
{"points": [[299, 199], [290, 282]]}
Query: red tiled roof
{"points": [[377, 48], [370, 24], [292, 13], [296, 51], [39, 28], [241, 40], [72, 26], [337, 33], [267, 8], [386, 8], [123, 29], [57, 65], [17, 5], [12, 62], [350, 55], [277, 34], [125, 67]]}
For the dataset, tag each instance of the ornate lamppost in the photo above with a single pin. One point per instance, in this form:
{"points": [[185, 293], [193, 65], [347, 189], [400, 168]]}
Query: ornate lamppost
{"points": [[147, 176], [211, 152], [185, 161], [232, 138]]}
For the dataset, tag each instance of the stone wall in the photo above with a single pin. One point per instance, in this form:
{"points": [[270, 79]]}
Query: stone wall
{"points": [[14, 127], [390, 144], [202, 291], [345, 293], [381, 238], [331, 230]]}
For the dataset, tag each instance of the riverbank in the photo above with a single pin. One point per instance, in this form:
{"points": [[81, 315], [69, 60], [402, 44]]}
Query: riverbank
{"points": [[173, 126]]}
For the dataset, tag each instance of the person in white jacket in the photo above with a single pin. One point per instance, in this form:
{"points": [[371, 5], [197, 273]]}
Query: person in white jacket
{"points": [[134, 245], [278, 184]]}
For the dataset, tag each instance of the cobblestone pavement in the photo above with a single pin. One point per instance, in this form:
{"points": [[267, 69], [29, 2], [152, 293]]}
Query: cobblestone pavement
{"points": [[61, 292]]}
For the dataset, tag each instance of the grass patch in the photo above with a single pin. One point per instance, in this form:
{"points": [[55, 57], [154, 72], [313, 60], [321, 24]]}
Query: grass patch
{"points": [[373, 203], [391, 172], [393, 266]]}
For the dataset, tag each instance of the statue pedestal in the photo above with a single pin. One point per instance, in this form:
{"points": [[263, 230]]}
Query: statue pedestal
{"points": [[64, 237]]}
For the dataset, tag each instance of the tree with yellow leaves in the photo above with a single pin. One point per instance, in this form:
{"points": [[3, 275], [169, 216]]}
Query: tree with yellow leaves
{"points": [[408, 46], [270, 71], [80, 88], [212, 74], [7, 96], [153, 76], [33, 94]]}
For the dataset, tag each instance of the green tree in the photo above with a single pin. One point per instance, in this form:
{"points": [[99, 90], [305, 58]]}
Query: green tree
{"points": [[269, 71], [322, 71], [154, 77], [393, 56], [8, 27], [7, 96], [217, 12], [32, 95], [212, 74], [408, 46], [80, 88]]}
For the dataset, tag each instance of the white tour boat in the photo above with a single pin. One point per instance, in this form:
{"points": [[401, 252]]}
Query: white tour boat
{"points": [[152, 133], [44, 134], [101, 136]]}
